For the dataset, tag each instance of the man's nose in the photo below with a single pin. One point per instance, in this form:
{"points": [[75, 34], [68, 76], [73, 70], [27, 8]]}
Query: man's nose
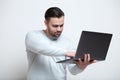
{"points": [[59, 28]]}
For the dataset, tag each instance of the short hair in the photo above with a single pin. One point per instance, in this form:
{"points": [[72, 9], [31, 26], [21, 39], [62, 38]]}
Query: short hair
{"points": [[53, 12]]}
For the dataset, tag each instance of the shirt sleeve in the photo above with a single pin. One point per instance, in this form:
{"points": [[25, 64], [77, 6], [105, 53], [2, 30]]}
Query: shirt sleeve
{"points": [[39, 46]]}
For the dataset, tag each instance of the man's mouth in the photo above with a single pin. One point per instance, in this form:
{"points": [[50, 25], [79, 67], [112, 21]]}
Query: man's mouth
{"points": [[57, 33]]}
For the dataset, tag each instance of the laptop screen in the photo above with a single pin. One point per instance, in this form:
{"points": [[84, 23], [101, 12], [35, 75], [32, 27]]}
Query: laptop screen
{"points": [[94, 43]]}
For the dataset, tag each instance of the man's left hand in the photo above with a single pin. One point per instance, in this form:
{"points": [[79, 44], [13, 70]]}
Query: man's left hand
{"points": [[82, 64]]}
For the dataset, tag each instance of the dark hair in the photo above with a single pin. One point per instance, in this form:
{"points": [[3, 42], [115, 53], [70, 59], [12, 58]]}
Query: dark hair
{"points": [[53, 12]]}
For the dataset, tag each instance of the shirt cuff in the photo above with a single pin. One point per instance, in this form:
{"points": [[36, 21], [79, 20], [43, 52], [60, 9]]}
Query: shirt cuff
{"points": [[74, 69]]}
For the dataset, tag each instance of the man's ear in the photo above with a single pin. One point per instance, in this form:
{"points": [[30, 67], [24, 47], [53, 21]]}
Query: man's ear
{"points": [[46, 22]]}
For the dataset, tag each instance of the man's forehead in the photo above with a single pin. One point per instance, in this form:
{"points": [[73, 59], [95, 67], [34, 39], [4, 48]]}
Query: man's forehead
{"points": [[55, 19], [57, 23]]}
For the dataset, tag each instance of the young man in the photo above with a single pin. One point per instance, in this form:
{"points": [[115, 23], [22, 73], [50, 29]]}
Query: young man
{"points": [[46, 47]]}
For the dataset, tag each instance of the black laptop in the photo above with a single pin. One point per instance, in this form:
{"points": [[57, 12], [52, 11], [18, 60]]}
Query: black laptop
{"points": [[94, 43]]}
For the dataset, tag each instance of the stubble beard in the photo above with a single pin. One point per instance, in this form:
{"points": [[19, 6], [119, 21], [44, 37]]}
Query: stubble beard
{"points": [[54, 35]]}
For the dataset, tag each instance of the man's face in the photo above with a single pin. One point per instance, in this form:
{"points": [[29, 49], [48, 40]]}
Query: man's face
{"points": [[55, 27]]}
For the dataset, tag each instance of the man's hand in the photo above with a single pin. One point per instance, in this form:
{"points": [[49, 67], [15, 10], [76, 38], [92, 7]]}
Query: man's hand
{"points": [[70, 54], [82, 64]]}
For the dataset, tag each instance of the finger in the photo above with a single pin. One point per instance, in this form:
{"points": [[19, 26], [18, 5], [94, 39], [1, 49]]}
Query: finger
{"points": [[85, 57], [88, 57], [79, 61], [94, 61]]}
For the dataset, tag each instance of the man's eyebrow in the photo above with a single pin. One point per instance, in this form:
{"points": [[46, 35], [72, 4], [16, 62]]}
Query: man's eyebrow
{"points": [[62, 24], [58, 25]]}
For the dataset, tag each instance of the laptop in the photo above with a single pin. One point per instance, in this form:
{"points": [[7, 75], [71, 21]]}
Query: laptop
{"points": [[94, 43]]}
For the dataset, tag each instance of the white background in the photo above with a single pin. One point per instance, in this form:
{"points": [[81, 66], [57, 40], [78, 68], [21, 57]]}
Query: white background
{"points": [[17, 17]]}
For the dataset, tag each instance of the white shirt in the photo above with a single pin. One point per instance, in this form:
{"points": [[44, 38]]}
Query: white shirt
{"points": [[43, 53]]}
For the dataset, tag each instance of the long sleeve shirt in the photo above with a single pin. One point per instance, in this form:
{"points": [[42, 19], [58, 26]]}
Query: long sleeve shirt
{"points": [[43, 53]]}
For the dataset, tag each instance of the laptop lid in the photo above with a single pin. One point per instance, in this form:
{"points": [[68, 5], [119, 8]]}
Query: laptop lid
{"points": [[94, 43]]}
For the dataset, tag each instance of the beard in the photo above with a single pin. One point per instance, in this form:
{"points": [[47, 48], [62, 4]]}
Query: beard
{"points": [[54, 35]]}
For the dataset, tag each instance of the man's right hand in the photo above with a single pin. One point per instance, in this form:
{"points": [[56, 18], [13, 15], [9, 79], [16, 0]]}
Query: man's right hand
{"points": [[70, 54]]}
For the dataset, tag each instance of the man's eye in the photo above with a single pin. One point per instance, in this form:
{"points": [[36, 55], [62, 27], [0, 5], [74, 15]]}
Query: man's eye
{"points": [[61, 25], [58, 25], [55, 25]]}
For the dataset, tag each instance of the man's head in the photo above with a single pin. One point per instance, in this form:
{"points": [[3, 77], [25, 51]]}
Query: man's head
{"points": [[54, 20]]}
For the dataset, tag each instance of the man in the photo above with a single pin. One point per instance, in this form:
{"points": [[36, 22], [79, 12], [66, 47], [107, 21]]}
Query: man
{"points": [[46, 47]]}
